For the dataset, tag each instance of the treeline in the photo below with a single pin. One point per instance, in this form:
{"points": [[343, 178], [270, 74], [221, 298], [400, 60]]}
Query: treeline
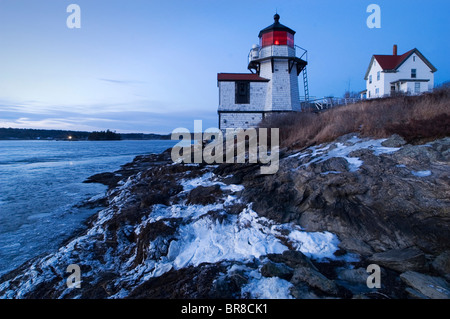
{"points": [[38, 134], [104, 136]]}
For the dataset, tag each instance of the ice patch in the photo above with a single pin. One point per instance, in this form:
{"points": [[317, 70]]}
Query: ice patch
{"points": [[242, 237], [421, 173], [204, 239], [322, 153], [96, 198], [209, 241], [354, 139], [314, 244], [209, 179], [204, 180], [298, 155], [232, 187], [354, 163], [267, 288], [330, 172]]}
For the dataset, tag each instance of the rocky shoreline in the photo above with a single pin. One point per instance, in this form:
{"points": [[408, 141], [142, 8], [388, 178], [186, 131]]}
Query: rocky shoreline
{"points": [[224, 231]]}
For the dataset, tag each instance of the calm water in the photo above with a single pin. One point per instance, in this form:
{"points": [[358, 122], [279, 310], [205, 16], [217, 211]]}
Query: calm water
{"points": [[41, 185]]}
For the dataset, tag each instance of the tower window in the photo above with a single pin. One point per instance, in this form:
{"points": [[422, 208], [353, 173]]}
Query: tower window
{"points": [[242, 95]]}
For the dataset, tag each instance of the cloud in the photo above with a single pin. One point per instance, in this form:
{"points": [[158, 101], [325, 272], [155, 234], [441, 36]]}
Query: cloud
{"points": [[125, 82], [120, 119]]}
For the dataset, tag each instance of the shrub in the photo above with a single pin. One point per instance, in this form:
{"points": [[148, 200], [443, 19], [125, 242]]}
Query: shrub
{"points": [[415, 118], [416, 131]]}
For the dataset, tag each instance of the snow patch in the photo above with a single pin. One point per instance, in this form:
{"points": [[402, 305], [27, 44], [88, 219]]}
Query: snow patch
{"points": [[204, 180], [330, 172], [209, 179], [317, 245], [421, 173], [267, 288], [209, 241], [322, 153]]}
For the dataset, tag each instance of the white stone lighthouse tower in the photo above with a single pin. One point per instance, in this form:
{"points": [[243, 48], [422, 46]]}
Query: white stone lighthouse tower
{"points": [[272, 87], [275, 59]]}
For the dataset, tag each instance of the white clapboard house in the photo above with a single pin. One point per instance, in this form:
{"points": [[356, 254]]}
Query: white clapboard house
{"points": [[409, 73], [271, 87]]}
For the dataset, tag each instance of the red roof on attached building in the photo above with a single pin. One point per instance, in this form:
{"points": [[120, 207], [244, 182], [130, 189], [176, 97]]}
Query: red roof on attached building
{"points": [[240, 77]]}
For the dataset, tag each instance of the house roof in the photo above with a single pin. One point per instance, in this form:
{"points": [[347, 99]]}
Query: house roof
{"points": [[393, 62], [252, 77]]}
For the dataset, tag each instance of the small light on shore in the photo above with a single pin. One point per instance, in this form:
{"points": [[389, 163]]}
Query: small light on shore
{"points": [[70, 137]]}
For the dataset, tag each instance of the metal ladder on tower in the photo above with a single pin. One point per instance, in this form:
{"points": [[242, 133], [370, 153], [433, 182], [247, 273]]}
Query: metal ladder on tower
{"points": [[305, 84]]}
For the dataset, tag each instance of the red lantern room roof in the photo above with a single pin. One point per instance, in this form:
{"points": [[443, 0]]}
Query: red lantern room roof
{"points": [[277, 26]]}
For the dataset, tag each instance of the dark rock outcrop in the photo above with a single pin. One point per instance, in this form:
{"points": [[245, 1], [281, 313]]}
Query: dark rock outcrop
{"points": [[380, 207], [401, 259], [425, 286], [204, 195], [388, 203], [271, 269], [442, 264]]}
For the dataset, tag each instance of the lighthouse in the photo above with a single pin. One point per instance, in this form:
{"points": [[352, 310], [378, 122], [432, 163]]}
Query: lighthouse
{"points": [[272, 84]]}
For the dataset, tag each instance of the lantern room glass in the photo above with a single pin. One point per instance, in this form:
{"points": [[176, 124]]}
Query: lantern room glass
{"points": [[277, 38]]}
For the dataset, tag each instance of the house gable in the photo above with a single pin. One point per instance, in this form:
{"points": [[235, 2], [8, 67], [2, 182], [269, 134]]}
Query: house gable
{"points": [[391, 63], [421, 56]]}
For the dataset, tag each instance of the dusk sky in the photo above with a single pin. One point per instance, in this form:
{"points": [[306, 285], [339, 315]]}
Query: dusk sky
{"points": [[151, 66]]}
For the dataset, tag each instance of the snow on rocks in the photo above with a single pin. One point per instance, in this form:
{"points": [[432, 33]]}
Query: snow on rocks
{"points": [[267, 288], [342, 149], [421, 173], [204, 238], [133, 250]]}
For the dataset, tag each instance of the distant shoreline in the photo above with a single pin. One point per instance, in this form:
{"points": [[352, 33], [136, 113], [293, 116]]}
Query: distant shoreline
{"points": [[15, 134]]}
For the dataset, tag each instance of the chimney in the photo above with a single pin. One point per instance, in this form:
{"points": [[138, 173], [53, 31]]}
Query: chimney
{"points": [[395, 49]]}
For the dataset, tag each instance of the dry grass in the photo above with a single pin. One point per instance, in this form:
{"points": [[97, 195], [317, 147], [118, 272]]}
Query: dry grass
{"points": [[415, 118]]}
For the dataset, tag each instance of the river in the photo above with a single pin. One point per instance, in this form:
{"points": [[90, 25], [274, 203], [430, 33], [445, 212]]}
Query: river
{"points": [[41, 185]]}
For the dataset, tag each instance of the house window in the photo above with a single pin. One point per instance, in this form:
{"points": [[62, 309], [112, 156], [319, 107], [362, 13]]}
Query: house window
{"points": [[242, 95], [414, 58], [377, 91], [370, 79], [378, 75], [413, 73], [417, 87]]}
